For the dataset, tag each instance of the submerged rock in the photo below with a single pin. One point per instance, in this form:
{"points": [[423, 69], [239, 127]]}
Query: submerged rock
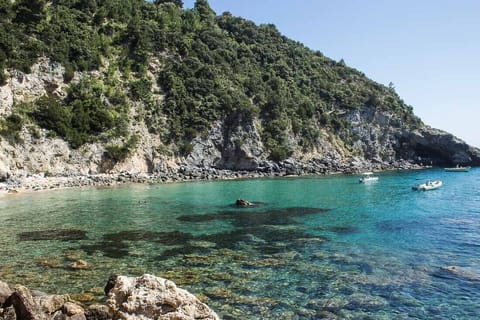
{"points": [[458, 272], [243, 203], [78, 265], [48, 262], [365, 302], [150, 297], [83, 298]]}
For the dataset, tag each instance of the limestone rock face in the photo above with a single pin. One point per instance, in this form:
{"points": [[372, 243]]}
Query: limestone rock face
{"points": [[45, 77], [206, 152], [233, 147], [150, 297], [442, 147], [242, 148], [376, 133], [382, 136]]}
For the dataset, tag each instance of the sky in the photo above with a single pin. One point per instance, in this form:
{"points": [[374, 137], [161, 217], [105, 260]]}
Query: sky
{"points": [[428, 49]]}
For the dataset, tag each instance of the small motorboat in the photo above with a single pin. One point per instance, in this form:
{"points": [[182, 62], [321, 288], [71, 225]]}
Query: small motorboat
{"points": [[367, 177], [428, 185], [458, 169]]}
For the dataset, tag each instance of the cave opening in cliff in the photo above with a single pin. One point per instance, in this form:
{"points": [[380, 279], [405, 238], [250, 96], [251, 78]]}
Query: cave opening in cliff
{"points": [[427, 155]]}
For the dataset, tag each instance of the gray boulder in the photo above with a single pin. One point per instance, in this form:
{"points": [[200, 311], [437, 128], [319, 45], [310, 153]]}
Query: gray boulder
{"points": [[150, 297]]}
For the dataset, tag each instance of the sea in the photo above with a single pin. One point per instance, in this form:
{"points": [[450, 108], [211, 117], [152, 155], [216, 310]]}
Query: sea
{"points": [[316, 247]]}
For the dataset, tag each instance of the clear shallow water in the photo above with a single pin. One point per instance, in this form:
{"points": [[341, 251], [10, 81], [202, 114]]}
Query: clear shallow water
{"points": [[314, 247]]}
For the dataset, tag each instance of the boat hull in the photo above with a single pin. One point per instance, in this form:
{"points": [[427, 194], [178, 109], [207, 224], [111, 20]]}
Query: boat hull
{"points": [[428, 186], [458, 169], [367, 177]]}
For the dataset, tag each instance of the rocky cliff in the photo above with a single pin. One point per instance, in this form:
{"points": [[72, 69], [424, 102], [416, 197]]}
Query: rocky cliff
{"points": [[380, 141]]}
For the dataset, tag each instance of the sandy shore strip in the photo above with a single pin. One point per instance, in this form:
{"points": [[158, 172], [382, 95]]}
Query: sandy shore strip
{"points": [[39, 182]]}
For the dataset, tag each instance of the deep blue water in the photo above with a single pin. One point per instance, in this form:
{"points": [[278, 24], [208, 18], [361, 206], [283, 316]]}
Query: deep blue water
{"points": [[312, 247]]}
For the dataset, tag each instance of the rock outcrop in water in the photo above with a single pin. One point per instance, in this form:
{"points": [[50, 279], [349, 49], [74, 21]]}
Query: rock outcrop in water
{"points": [[458, 272], [146, 297]]}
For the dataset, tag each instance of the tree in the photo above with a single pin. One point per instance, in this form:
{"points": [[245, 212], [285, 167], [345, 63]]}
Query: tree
{"points": [[178, 3], [203, 8], [391, 86], [29, 12], [5, 10]]}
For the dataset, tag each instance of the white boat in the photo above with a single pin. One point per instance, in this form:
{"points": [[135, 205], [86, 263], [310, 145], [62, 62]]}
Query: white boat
{"points": [[368, 177], [458, 169], [428, 185]]}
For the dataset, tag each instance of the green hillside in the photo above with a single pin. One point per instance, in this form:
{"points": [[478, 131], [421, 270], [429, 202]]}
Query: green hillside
{"points": [[212, 68]]}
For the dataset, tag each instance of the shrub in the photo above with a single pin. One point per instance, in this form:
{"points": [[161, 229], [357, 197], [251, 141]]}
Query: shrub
{"points": [[279, 153], [52, 115], [185, 147], [10, 128], [85, 114], [121, 152], [140, 89]]}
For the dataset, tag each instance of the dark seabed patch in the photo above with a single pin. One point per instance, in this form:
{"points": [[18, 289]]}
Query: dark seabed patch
{"points": [[53, 234], [245, 218], [265, 231], [365, 267], [338, 229], [226, 240], [185, 250], [262, 239], [166, 238], [116, 250], [400, 226], [117, 245]]}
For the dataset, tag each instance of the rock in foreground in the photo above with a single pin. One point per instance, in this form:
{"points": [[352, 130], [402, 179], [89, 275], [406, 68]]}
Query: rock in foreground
{"points": [[19, 303], [150, 297], [146, 297]]}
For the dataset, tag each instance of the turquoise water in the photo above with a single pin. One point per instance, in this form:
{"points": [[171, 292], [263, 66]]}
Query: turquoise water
{"points": [[312, 248]]}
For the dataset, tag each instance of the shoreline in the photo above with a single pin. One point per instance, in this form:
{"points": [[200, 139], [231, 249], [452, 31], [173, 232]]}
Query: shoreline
{"points": [[39, 182]]}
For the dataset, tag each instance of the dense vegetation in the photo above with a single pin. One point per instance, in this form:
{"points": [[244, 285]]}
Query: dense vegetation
{"points": [[213, 68]]}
